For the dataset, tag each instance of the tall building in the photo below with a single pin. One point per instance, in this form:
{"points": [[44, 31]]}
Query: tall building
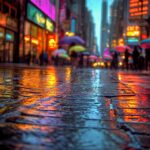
{"points": [[118, 22], [71, 17], [90, 35], [104, 26]]}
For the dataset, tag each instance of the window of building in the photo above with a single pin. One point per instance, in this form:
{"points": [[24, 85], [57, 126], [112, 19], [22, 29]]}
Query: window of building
{"points": [[52, 2], [13, 13], [10, 1], [5, 9], [68, 13], [0, 6]]}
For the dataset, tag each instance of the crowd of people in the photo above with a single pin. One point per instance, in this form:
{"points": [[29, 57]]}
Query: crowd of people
{"points": [[32, 58], [139, 59], [75, 59]]}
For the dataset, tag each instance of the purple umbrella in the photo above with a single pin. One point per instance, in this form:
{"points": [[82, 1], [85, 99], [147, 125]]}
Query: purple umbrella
{"points": [[107, 54], [71, 39]]}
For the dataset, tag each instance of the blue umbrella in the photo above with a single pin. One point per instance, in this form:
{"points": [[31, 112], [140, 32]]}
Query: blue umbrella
{"points": [[71, 39], [145, 41]]}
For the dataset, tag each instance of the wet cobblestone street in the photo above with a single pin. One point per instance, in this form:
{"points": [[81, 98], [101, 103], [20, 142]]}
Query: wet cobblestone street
{"points": [[48, 108]]}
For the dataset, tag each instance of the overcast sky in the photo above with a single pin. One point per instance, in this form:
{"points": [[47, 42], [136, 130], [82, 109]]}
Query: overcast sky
{"points": [[95, 6]]}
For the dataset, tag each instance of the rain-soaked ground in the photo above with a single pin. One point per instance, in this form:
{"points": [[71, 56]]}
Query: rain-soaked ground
{"points": [[48, 108]]}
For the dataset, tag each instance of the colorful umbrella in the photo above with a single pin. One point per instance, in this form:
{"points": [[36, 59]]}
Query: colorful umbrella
{"points": [[93, 57], [85, 53], [64, 56], [145, 43], [107, 54], [77, 48], [71, 39], [107, 57], [121, 49], [59, 52]]}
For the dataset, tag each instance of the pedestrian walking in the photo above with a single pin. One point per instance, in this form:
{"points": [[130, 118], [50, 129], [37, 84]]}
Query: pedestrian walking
{"points": [[28, 58], [135, 56], [130, 62], [41, 58], [147, 58], [45, 57], [74, 59], [141, 59], [81, 60], [115, 60], [127, 54]]}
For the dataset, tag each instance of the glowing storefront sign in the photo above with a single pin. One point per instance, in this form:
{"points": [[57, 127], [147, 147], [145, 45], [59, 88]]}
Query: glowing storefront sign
{"points": [[33, 40], [138, 8], [33, 14], [121, 42], [9, 37], [49, 25], [1, 34], [52, 41], [40, 18], [46, 7], [133, 31], [3, 19], [132, 40]]}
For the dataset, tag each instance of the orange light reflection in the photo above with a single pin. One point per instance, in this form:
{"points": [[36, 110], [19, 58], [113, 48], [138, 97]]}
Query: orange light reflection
{"points": [[129, 107]]}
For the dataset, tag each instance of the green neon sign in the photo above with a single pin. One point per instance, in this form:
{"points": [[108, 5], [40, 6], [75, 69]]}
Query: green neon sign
{"points": [[9, 37], [130, 40], [49, 25], [35, 15]]}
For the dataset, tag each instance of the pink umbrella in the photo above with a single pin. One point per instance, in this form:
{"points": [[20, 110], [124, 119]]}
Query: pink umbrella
{"points": [[107, 57], [145, 45], [93, 57], [121, 49], [59, 52]]}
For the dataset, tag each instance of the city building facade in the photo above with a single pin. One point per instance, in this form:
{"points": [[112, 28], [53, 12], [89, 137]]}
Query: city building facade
{"points": [[39, 28], [9, 30], [139, 13], [76, 19], [104, 26], [31, 27], [118, 22]]}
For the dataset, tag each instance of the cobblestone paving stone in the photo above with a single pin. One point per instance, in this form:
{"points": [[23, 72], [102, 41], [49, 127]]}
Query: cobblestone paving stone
{"points": [[81, 109]]}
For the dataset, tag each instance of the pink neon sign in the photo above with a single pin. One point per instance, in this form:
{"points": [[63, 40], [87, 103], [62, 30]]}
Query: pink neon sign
{"points": [[46, 7]]}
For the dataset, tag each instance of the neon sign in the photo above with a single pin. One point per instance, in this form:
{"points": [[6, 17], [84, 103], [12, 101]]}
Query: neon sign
{"points": [[132, 40], [138, 8], [40, 18], [52, 41], [49, 25], [46, 7], [9, 37], [33, 14], [133, 31]]}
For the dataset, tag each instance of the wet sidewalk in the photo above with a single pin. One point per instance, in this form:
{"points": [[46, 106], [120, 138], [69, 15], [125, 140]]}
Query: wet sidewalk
{"points": [[50, 108]]}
